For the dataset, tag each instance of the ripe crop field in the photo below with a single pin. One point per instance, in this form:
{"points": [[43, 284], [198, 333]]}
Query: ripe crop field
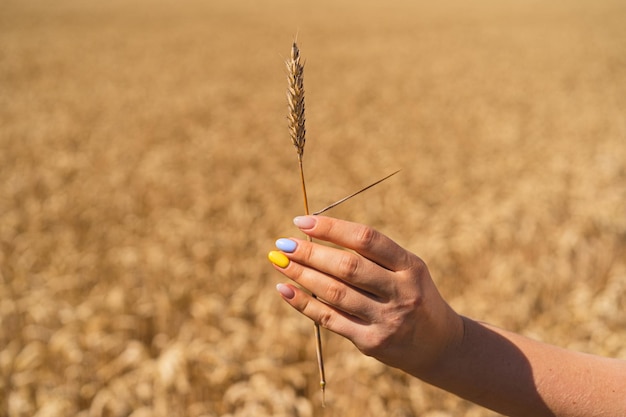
{"points": [[146, 170]]}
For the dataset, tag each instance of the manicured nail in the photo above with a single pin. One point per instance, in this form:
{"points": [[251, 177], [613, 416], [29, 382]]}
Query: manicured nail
{"points": [[278, 258], [286, 245], [286, 291], [305, 222]]}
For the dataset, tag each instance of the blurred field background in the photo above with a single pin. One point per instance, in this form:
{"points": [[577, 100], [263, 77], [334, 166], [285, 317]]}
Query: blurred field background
{"points": [[146, 170]]}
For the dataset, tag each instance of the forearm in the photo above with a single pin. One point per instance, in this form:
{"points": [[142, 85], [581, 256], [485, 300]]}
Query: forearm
{"points": [[517, 376]]}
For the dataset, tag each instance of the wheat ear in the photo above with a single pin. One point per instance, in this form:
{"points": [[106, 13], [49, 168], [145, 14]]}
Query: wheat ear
{"points": [[297, 131]]}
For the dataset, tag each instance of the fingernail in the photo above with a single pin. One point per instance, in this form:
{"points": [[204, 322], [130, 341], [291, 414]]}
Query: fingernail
{"points": [[278, 258], [286, 245], [285, 291], [305, 222]]}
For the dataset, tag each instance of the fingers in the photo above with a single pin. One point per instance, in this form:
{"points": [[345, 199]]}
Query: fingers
{"points": [[352, 284], [329, 286], [364, 240], [353, 269], [321, 313]]}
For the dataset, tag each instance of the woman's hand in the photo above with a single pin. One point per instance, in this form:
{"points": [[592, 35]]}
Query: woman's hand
{"points": [[379, 296], [382, 298]]}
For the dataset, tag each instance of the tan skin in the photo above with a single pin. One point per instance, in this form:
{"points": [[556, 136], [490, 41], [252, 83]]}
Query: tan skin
{"points": [[382, 298]]}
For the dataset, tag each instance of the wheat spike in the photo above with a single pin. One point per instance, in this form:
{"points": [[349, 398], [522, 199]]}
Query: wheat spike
{"points": [[297, 131], [295, 100]]}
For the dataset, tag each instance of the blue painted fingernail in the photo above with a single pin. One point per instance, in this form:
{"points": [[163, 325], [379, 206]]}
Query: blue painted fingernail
{"points": [[286, 245]]}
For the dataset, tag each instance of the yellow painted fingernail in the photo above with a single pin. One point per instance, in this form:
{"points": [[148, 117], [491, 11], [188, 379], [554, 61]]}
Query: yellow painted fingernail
{"points": [[278, 258]]}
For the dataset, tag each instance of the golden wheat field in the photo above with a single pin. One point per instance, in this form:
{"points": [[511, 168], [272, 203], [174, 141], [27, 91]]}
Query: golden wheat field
{"points": [[146, 170]]}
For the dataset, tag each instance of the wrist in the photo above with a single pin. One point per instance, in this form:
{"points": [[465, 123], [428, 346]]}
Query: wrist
{"points": [[453, 347], [449, 348]]}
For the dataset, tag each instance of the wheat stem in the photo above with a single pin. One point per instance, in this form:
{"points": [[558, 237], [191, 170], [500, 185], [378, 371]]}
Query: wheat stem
{"points": [[316, 326], [297, 131]]}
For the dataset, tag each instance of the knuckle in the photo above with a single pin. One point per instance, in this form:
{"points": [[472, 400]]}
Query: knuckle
{"points": [[307, 252], [300, 303], [335, 293], [325, 319], [375, 343], [311, 308], [348, 266], [304, 306], [295, 272], [364, 237]]}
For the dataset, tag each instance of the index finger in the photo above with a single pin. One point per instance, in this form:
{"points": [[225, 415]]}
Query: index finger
{"points": [[363, 239]]}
